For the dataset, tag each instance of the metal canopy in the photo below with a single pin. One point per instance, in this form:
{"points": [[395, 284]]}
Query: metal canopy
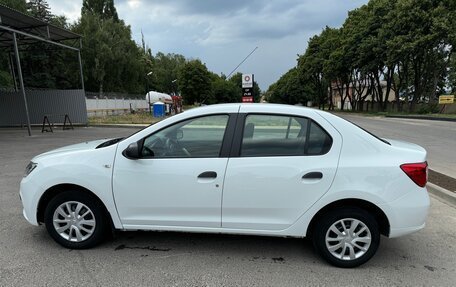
{"points": [[17, 28], [19, 21]]}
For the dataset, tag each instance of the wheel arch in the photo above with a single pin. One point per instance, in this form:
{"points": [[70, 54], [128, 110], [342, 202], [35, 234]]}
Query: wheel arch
{"points": [[53, 191], [376, 211]]}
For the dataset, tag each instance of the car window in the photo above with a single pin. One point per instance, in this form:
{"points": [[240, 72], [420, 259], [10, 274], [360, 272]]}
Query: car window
{"points": [[273, 135], [198, 137], [319, 141], [277, 135]]}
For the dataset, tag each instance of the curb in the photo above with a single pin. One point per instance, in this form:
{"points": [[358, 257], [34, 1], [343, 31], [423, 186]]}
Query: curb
{"points": [[138, 126], [423, 118], [442, 193]]}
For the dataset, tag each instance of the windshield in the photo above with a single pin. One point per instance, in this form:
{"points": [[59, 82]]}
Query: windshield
{"points": [[116, 140]]}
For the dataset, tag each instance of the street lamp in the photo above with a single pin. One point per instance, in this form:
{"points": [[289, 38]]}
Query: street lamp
{"points": [[147, 89], [173, 82]]}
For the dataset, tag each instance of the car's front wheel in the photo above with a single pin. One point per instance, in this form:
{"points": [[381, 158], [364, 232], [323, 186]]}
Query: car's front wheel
{"points": [[346, 237], [75, 220]]}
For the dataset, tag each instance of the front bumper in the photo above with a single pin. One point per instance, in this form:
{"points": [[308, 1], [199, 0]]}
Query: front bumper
{"points": [[29, 202]]}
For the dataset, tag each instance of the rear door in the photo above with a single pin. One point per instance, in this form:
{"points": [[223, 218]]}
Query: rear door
{"points": [[280, 166]]}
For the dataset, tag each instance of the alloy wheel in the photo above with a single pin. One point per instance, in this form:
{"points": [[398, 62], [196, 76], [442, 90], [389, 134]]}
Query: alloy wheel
{"points": [[348, 239], [74, 221]]}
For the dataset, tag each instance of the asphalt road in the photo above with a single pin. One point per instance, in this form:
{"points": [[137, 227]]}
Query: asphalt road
{"points": [[28, 256], [437, 137]]}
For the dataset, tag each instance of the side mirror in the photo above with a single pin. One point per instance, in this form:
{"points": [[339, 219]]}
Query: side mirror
{"points": [[132, 151]]}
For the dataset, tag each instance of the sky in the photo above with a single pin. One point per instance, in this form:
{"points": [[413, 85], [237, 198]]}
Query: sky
{"points": [[221, 33]]}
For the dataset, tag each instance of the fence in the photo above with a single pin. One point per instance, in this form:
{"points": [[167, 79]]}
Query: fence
{"points": [[107, 106], [41, 103], [114, 95]]}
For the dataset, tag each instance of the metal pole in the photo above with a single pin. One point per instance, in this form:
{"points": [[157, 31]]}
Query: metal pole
{"points": [[13, 72], [21, 82], [80, 70]]}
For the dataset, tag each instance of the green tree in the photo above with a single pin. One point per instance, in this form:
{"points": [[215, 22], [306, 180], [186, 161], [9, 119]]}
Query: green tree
{"points": [[338, 66], [165, 68], [224, 91], [112, 60], [6, 81], [311, 66], [19, 5], [289, 90], [421, 43], [195, 82], [59, 21], [39, 9], [104, 8]]}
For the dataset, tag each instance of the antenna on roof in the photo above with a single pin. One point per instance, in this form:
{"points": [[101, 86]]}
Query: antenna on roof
{"points": [[241, 62]]}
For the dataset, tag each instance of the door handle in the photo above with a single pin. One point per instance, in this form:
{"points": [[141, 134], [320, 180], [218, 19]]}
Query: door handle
{"points": [[208, 174], [313, 175]]}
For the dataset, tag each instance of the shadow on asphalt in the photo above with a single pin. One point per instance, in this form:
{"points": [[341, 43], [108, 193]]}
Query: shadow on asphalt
{"points": [[260, 249]]}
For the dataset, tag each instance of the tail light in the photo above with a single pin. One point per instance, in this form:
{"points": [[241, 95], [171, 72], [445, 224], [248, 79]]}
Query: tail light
{"points": [[417, 172]]}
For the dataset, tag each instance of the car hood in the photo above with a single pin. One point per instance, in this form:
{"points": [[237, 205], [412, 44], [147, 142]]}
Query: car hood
{"points": [[90, 145]]}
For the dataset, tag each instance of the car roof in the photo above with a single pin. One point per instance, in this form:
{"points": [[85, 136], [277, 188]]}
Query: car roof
{"points": [[257, 107]]}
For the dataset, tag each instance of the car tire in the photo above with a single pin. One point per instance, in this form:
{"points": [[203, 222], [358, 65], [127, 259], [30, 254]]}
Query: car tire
{"points": [[346, 237], [76, 220]]}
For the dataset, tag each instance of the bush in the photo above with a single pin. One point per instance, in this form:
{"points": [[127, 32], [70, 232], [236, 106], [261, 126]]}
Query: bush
{"points": [[428, 108]]}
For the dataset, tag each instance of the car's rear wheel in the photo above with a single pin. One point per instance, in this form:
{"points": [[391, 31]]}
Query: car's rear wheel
{"points": [[75, 220], [346, 237]]}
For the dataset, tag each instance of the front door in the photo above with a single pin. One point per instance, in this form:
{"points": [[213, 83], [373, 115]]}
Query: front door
{"points": [[178, 180]]}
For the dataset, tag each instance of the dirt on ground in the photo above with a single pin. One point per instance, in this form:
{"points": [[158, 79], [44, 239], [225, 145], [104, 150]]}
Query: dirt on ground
{"points": [[442, 180]]}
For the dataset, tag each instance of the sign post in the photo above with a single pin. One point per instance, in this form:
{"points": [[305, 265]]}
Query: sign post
{"points": [[247, 88], [444, 100]]}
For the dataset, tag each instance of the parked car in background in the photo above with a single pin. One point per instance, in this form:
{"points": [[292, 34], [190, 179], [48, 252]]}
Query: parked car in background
{"points": [[263, 169]]}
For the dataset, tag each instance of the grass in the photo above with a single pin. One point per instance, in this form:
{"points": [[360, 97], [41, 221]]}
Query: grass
{"points": [[138, 118]]}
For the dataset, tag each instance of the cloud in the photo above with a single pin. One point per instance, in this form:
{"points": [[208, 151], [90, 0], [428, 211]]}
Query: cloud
{"points": [[221, 33], [71, 9]]}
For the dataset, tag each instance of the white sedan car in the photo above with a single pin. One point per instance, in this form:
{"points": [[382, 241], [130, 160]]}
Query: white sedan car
{"points": [[262, 169]]}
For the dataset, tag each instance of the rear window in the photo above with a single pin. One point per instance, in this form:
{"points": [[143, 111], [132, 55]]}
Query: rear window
{"points": [[279, 135]]}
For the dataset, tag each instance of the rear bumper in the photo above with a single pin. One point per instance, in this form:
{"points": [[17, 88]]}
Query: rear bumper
{"points": [[408, 213], [397, 232]]}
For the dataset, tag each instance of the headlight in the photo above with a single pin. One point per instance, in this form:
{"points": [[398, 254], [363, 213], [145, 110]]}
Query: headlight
{"points": [[30, 167]]}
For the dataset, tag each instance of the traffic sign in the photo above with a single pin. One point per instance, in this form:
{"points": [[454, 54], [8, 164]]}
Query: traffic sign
{"points": [[247, 88], [446, 99], [247, 99], [247, 80]]}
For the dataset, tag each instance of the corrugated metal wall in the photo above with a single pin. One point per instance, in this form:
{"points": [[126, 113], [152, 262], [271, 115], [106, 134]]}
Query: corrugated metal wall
{"points": [[40, 103]]}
